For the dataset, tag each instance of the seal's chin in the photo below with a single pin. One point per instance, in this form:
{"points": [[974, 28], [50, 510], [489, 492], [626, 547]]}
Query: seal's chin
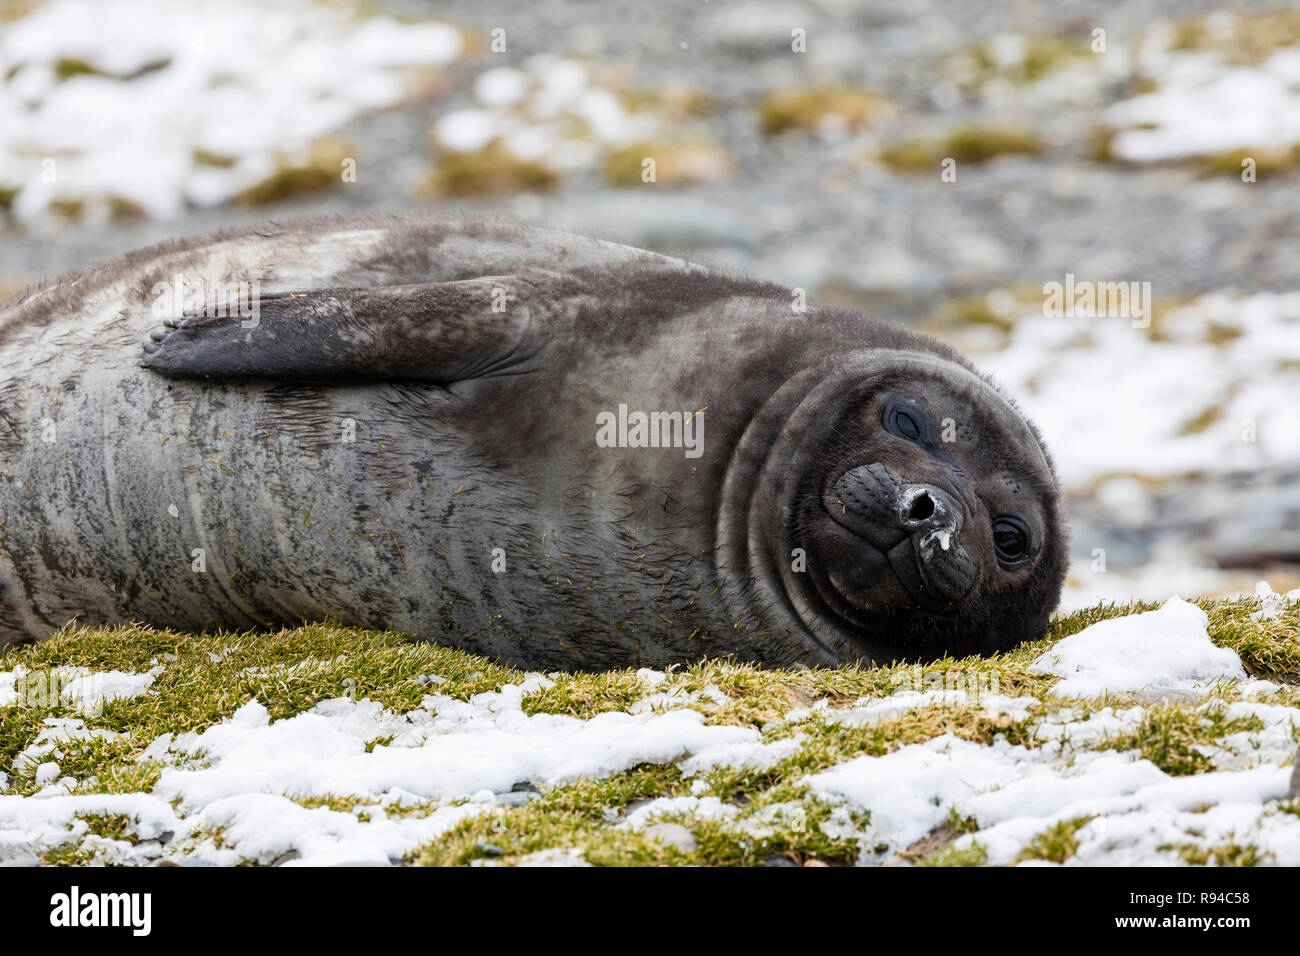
{"points": [[882, 577]]}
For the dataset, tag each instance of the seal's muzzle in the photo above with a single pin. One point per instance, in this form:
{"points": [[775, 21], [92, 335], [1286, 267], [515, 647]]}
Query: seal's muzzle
{"points": [[918, 526]]}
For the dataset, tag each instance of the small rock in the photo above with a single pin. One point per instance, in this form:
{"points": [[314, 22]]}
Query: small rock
{"points": [[556, 856], [635, 805], [672, 834], [285, 857], [515, 798], [815, 863], [489, 849], [354, 863], [776, 859], [165, 863]]}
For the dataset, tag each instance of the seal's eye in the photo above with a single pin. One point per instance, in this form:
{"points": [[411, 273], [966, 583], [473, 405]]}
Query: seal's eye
{"points": [[1010, 540], [899, 421]]}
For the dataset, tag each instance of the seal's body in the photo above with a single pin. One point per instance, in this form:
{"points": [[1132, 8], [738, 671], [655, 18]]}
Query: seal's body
{"points": [[534, 446]]}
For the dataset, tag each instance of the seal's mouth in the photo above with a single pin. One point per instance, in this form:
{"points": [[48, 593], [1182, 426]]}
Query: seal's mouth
{"points": [[892, 575], [907, 538]]}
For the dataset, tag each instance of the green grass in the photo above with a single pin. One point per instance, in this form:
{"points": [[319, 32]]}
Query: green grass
{"points": [[1168, 736], [1057, 843], [206, 678]]}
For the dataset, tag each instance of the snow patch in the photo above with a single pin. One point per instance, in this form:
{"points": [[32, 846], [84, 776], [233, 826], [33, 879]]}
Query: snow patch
{"points": [[1167, 650]]}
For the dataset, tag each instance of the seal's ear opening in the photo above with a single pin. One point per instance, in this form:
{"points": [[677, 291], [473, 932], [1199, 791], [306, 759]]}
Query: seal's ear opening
{"points": [[440, 332]]}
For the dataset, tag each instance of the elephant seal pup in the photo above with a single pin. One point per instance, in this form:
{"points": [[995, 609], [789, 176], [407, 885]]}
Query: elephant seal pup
{"points": [[556, 452]]}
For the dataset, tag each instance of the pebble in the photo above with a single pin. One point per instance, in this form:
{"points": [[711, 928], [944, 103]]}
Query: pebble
{"points": [[672, 834], [556, 856], [516, 798]]}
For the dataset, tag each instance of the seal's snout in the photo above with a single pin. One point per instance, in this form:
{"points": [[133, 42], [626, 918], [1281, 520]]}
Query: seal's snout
{"points": [[927, 510], [917, 526], [877, 504]]}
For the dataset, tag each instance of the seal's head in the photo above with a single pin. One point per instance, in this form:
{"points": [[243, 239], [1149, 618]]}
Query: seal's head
{"points": [[922, 503]]}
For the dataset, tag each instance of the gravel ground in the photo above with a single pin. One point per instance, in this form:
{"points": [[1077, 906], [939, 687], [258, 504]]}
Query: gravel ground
{"points": [[824, 218]]}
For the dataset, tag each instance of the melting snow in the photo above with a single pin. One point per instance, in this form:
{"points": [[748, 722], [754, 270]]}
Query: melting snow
{"points": [[1168, 650], [243, 81], [448, 759], [1205, 106], [388, 783]]}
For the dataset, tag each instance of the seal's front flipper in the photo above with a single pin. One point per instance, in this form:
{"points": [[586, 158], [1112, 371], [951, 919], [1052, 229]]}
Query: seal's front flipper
{"points": [[442, 332]]}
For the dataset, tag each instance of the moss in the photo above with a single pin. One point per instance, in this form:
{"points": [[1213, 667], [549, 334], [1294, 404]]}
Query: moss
{"points": [[321, 169], [7, 196], [113, 826], [681, 101], [492, 170], [674, 163], [1056, 844], [1268, 648], [999, 309], [966, 144], [70, 209], [121, 209], [1201, 422], [1042, 55], [1227, 854], [206, 678], [580, 814], [203, 157], [11, 10], [1269, 161], [978, 144], [973, 855], [1218, 334], [1099, 145], [69, 854], [339, 804], [65, 68], [1188, 35], [810, 108], [1169, 736], [1249, 40]]}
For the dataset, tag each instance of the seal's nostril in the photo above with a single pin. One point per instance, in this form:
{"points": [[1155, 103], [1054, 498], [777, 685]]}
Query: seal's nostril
{"points": [[922, 507]]}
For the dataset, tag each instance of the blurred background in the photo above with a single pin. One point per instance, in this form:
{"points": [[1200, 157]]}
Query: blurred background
{"points": [[1153, 142]]}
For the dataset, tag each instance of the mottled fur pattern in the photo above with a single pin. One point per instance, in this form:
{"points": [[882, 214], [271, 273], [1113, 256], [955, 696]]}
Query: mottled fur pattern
{"points": [[213, 486]]}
